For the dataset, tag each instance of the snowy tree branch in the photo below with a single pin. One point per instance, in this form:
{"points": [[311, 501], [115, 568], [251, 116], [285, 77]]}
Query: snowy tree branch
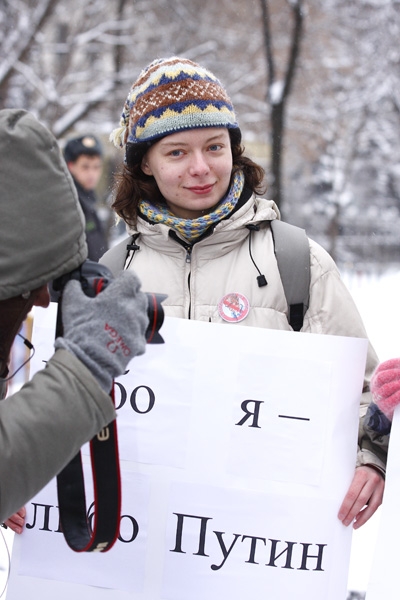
{"points": [[22, 38]]}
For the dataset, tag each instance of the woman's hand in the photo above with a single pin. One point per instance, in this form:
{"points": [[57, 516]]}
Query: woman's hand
{"points": [[17, 520], [363, 497]]}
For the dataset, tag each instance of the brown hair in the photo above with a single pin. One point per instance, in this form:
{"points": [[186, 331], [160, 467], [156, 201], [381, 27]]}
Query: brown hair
{"points": [[132, 185]]}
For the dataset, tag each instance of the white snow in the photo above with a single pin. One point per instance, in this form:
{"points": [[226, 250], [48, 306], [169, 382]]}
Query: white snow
{"points": [[276, 92]]}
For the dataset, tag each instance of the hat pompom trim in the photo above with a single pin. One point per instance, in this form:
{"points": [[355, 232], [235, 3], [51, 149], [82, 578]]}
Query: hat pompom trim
{"points": [[117, 136]]}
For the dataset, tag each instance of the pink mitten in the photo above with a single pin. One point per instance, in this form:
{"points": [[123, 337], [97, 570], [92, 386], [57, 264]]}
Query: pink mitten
{"points": [[385, 386]]}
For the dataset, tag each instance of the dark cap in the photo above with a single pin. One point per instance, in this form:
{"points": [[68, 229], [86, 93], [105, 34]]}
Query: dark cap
{"points": [[85, 144]]}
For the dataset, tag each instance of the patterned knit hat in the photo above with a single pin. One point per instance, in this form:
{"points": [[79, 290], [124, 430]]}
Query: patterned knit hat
{"points": [[171, 95]]}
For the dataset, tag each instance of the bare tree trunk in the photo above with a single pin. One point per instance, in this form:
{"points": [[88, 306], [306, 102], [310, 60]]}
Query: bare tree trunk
{"points": [[278, 92], [333, 231]]}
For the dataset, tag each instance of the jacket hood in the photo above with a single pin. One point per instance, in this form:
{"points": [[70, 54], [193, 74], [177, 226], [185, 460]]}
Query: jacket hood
{"points": [[42, 229]]}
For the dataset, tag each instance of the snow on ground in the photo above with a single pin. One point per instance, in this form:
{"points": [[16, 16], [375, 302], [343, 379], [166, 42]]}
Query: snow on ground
{"points": [[377, 298]]}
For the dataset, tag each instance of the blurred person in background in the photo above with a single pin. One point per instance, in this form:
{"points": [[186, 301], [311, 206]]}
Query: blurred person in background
{"points": [[84, 157]]}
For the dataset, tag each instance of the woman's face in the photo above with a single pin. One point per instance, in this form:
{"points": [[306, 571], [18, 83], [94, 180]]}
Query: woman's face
{"points": [[192, 169]]}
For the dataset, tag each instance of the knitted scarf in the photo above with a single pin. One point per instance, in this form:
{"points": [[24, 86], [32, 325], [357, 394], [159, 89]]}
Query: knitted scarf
{"points": [[191, 229]]}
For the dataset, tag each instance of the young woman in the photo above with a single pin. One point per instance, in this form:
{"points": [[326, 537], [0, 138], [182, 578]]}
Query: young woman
{"points": [[200, 232]]}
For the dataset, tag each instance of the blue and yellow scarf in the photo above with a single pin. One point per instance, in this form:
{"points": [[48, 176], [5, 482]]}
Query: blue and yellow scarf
{"points": [[191, 229]]}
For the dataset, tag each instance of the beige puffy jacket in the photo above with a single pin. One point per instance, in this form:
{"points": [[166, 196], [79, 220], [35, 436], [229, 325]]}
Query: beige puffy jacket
{"points": [[197, 278]]}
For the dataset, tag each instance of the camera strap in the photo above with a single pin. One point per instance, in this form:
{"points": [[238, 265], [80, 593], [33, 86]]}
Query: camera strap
{"points": [[82, 531], [96, 532]]}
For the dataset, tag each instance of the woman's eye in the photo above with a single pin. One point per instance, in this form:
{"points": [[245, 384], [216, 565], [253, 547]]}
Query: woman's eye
{"points": [[215, 147], [175, 152]]}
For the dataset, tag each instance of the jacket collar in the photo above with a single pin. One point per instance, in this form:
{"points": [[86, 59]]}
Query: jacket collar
{"points": [[226, 234]]}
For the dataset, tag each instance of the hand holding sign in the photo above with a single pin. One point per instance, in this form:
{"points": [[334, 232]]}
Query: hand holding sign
{"points": [[363, 498]]}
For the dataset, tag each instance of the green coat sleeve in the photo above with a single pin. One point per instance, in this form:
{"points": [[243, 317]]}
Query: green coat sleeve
{"points": [[44, 425]]}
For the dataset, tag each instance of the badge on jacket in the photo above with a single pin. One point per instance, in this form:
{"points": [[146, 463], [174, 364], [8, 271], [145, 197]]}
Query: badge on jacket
{"points": [[233, 307]]}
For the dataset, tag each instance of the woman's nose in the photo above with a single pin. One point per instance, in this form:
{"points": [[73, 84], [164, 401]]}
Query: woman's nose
{"points": [[198, 164]]}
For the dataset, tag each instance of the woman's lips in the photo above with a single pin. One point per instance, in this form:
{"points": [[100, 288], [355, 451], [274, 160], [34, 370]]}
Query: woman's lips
{"points": [[202, 190]]}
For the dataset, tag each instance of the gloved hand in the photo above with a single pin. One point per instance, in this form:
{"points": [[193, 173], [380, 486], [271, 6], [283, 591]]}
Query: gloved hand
{"points": [[385, 386], [107, 331]]}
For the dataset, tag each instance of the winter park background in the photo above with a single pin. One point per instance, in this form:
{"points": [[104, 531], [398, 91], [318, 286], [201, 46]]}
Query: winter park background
{"points": [[316, 87]]}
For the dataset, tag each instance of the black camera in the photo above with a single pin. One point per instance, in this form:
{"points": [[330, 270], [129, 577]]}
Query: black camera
{"points": [[95, 277]]}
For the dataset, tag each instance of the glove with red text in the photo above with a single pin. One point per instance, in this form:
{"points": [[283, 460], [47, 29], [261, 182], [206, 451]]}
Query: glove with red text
{"points": [[107, 331], [385, 386]]}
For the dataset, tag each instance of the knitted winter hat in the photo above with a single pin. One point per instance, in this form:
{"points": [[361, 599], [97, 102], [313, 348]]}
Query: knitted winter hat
{"points": [[171, 95]]}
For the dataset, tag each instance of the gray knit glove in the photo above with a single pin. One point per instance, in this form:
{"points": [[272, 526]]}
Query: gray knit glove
{"points": [[107, 331]]}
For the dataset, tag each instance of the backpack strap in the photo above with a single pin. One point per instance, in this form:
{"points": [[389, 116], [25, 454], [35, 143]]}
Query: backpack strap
{"points": [[115, 258], [292, 253]]}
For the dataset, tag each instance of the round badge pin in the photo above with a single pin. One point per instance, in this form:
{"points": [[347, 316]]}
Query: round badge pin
{"points": [[233, 307]]}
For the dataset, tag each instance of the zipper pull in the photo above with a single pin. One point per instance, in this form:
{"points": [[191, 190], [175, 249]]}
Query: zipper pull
{"points": [[188, 254]]}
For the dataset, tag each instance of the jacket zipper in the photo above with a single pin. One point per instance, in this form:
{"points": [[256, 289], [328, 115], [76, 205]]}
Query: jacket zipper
{"points": [[188, 260]]}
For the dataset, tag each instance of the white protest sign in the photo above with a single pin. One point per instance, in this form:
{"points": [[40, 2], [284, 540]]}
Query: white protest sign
{"points": [[383, 582], [237, 447]]}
